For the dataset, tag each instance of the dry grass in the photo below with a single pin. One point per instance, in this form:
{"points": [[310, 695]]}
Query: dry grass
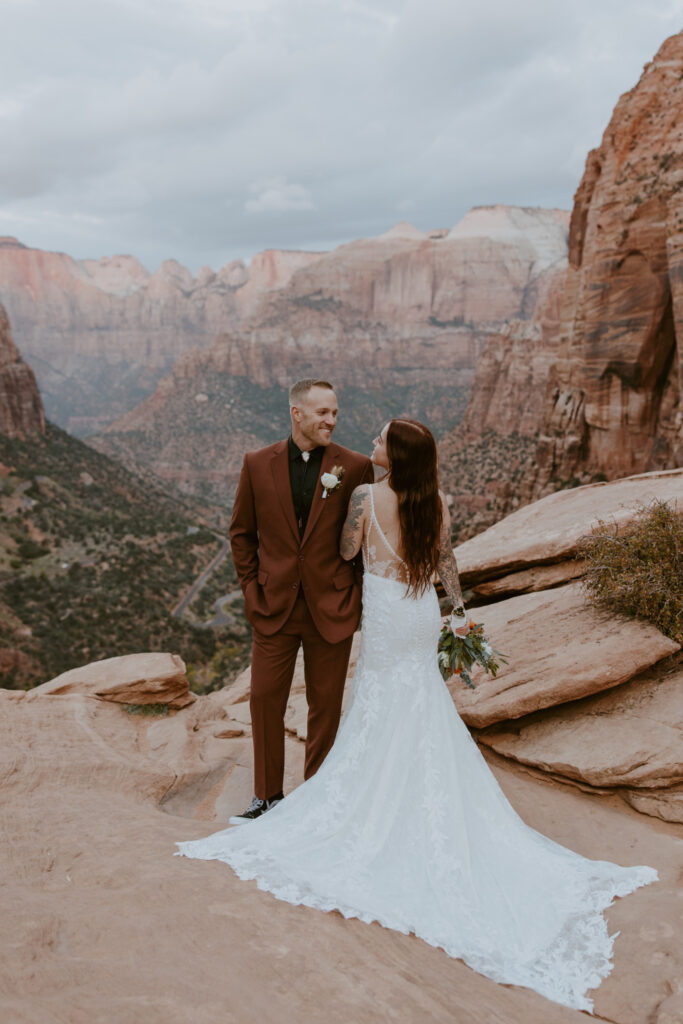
{"points": [[638, 570]]}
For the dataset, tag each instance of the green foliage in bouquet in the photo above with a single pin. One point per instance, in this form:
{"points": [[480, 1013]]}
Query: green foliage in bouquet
{"points": [[457, 654], [638, 570]]}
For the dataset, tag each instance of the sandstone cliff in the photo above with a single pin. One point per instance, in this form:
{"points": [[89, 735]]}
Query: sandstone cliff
{"points": [[397, 322], [482, 272], [508, 392], [100, 333], [486, 461], [21, 410], [590, 386], [615, 403]]}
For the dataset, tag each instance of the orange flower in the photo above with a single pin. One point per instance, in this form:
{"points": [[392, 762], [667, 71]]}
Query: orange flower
{"points": [[472, 624]]}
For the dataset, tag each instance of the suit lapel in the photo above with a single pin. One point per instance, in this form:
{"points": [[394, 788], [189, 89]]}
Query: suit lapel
{"points": [[330, 456], [279, 465]]}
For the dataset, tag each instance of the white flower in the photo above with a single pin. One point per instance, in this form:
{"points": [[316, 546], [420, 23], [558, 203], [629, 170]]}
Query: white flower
{"points": [[329, 482]]}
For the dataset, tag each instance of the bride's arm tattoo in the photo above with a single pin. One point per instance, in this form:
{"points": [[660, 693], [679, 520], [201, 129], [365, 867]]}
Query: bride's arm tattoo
{"points": [[352, 531], [448, 568]]}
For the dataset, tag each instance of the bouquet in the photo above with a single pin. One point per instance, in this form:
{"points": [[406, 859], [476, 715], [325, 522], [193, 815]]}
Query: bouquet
{"points": [[457, 654]]}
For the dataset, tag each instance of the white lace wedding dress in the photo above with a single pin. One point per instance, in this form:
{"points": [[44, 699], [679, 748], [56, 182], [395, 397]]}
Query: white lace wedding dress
{"points": [[405, 824]]}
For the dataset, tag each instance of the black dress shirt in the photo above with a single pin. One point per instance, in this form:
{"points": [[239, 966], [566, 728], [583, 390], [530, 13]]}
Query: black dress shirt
{"points": [[303, 477]]}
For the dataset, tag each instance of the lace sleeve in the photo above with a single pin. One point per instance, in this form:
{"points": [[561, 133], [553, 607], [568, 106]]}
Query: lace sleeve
{"points": [[447, 566], [352, 530]]}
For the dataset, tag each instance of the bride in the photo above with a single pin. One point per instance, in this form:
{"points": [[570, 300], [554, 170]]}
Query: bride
{"points": [[404, 823]]}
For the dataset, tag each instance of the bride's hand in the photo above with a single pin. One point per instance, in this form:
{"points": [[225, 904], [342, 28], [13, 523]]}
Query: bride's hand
{"points": [[459, 630], [460, 624]]}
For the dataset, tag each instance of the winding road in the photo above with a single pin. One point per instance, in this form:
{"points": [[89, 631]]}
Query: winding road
{"points": [[180, 609]]}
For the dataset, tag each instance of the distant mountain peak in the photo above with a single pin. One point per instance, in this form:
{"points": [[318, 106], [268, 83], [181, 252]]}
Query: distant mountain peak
{"points": [[404, 229]]}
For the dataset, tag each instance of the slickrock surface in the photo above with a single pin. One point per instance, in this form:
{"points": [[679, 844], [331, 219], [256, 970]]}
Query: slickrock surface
{"points": [[128, 679], [559, 649], [549, 530], [615, 400], [21, 409], [103, 923], [631, 736], [664, 803], [540, 577]]}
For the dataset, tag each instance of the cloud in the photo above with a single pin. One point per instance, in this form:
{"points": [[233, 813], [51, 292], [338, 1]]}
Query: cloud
{"points": [[276, 196], [210, 129]]}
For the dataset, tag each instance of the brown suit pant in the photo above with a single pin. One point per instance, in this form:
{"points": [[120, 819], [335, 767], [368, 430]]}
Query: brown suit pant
{"points": [[272, 670]]}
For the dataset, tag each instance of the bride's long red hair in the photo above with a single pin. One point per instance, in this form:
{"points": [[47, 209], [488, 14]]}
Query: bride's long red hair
{"points": [[413, 477]]}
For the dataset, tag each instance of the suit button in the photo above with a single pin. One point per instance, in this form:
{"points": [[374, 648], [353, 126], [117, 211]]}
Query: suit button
{"points": [[295, 586], [301, 558]]}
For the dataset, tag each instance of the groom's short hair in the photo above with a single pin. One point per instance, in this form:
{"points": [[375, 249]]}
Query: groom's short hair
{"points": [[302, 387]]}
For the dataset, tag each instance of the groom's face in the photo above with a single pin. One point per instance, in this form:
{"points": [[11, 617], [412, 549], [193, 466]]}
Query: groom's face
{"points": [[315, 417]]}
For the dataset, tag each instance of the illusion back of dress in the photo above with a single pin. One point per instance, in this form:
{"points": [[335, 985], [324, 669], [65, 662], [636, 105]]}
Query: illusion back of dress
{"points": [[399, 628], [379, 553]]}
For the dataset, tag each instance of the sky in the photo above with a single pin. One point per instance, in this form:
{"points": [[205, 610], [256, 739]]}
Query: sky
{"points": [[208, 130]]}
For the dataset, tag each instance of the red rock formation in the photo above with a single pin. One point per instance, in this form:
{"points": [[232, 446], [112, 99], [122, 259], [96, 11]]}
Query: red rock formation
{"points": [[268, 271], [397, 322], [508, 392], [100, 333], [21, 410], [485, 460], [615, 404], [590, 387], [484, 271]]}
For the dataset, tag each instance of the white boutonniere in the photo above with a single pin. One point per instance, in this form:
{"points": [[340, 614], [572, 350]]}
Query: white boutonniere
{"points": [[331, 481]]}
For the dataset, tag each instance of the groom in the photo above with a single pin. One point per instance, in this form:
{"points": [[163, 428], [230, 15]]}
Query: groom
{"points": [[290, 506]]}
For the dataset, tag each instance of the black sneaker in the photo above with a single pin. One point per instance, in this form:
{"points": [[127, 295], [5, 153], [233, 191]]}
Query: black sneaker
{"points": [[256, 808]]}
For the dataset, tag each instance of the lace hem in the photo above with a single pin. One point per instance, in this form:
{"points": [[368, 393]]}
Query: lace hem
{"points": [[559, 974]]}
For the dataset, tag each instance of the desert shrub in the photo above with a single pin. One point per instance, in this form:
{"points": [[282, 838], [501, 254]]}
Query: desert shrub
{"points": [[29, 549], [638, 570], [146, 709]]}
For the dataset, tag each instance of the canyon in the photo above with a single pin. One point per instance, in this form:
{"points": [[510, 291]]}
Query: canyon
{"points": [[101, 333], [544, 351], [546, 354], [396, 322], [535, 373], [92, 558]]}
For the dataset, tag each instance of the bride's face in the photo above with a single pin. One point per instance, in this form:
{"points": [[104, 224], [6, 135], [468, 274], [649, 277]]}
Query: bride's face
{"points": [[379, 452]]}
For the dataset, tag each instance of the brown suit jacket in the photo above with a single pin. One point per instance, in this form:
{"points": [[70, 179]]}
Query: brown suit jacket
{"points": [[272, 562]]}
